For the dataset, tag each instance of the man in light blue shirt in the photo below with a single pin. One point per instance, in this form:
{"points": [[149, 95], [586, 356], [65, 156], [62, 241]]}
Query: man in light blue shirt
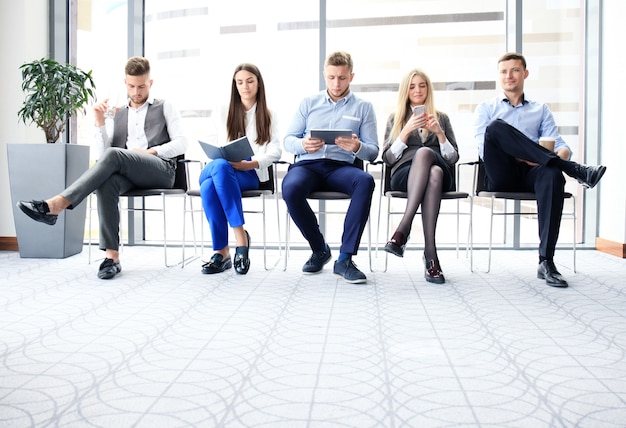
{"points": [[330, 166], [507, 131]]}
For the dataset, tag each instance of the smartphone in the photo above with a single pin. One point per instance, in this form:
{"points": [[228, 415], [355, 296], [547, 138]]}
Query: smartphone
{"points": [[418, 110]]}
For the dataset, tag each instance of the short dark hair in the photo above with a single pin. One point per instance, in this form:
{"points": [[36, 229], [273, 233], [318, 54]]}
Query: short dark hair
{"points": [[339, 58], [513, 55], [137, 66]]}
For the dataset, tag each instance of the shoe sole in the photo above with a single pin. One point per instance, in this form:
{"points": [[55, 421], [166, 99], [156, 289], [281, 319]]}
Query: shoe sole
{"points": [[552, 284], [353, 281], [389, 249], [228, 266], [109, 275]]}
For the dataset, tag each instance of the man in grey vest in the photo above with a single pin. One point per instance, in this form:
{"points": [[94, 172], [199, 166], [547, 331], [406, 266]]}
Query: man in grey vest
{"points": [[147, 137]]}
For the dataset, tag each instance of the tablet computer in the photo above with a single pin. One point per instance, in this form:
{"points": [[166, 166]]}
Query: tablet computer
{"points": [[329, 135]]}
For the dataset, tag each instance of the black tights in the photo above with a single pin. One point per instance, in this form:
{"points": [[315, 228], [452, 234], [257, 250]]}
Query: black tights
{"points": [[424, 186]]}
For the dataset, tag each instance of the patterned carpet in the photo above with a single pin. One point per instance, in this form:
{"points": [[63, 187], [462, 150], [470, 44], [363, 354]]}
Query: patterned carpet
{"points": [[170, 347]]}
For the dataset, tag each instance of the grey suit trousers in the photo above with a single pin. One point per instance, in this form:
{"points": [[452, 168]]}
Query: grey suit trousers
{"points": [[117, 171]]}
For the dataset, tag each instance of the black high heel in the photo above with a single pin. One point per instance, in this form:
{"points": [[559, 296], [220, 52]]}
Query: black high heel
{"points": [[242, 260]]}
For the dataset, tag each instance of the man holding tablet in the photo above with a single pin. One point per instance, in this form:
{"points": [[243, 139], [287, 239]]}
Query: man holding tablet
{"points": [[329, 165]]}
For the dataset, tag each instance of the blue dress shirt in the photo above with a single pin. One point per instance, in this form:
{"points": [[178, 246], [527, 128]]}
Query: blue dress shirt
{"points": [[321, 112], [533, 119]]}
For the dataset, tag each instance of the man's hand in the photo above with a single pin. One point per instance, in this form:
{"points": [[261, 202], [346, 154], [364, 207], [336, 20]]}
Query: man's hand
{"points": [[349, 144], [146, 151], [311, 145], [99, 111]]}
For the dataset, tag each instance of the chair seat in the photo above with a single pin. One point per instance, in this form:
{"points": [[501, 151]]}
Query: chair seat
{"points": [[445, 195], [152, 192], [520, 196], [328, 195], [255, 193]]}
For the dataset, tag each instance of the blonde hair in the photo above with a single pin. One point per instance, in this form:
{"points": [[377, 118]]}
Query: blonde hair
{"points": [[403, 107]]}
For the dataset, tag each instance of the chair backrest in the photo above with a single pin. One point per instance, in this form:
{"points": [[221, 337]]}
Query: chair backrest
{"points": [[269, 184], [180, 180], [480, 177]]}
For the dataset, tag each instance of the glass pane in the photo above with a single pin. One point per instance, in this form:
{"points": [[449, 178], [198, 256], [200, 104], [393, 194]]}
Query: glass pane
{"points": [[102, 47], [456, 43], [194, 47]]}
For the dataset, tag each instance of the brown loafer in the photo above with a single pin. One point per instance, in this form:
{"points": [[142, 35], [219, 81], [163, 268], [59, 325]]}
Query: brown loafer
{"points": [[397, 244]]}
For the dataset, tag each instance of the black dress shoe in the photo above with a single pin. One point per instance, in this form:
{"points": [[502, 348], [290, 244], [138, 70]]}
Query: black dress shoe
{"points": [[38, 211], [547, 270], [432, 271], [397, 244], [589, 176], [109, 268], [242, 261], [217, 264]]}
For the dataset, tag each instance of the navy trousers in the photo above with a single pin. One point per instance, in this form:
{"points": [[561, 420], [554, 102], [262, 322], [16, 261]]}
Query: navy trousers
{"points": [[503, 144], [305, 177]]}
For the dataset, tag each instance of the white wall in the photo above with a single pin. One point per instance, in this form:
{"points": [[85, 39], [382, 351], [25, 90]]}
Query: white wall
{"points": [[24, 37], [612, 213]]}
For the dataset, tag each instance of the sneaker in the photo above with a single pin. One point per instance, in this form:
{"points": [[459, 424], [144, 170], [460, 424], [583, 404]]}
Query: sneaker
{"points": [[347, 270], [109, 268], [317, 261]]}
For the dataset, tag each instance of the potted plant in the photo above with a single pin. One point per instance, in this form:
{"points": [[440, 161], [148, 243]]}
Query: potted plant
{"points": [[54, 92]]}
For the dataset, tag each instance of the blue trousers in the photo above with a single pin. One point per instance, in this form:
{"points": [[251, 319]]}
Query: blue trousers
{"points": [[220, 189], [305, 177], [503, 144]]}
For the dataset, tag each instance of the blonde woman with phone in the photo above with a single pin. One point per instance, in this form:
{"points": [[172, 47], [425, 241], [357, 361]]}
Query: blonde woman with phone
{"points": [[421, 151]]}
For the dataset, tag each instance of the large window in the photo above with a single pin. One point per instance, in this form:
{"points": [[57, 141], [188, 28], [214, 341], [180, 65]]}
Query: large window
{"points": [[194, 46]]}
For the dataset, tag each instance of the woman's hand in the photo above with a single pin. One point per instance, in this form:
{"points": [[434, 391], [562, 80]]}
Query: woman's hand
{"points": [[414, 123], [244, 165]]}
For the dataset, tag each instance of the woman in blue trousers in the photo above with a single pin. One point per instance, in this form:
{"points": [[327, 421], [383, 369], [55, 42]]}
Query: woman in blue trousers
{"points": [[221, 181]]}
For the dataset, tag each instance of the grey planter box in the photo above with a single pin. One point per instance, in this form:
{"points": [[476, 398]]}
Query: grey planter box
{"points": [[39, 171]]}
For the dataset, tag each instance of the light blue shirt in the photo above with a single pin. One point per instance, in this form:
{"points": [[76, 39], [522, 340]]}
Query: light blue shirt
{"points": [[321, 112], [533, 119]]}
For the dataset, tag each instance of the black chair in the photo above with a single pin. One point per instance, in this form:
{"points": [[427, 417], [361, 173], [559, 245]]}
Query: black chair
{"points": [[516, 198], [322, 197], [385, 185], [179, 189], [265, 190]]}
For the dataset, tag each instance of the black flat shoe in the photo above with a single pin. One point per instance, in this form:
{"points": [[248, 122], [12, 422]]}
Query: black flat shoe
{"points": [[38, 211], [547, 270], [217, 264], [589, 176], [242, 261], [109, 268], [396, 244]]}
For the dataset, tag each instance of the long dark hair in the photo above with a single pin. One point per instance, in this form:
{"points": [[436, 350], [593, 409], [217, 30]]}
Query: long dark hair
{"points": [[236, 122]]}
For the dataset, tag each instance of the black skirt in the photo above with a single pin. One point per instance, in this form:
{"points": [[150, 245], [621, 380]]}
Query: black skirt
{"points": [[400, 177]]}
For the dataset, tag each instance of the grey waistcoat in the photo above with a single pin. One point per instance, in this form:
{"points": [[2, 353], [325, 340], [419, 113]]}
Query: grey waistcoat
{"points": [[155, 126]]}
